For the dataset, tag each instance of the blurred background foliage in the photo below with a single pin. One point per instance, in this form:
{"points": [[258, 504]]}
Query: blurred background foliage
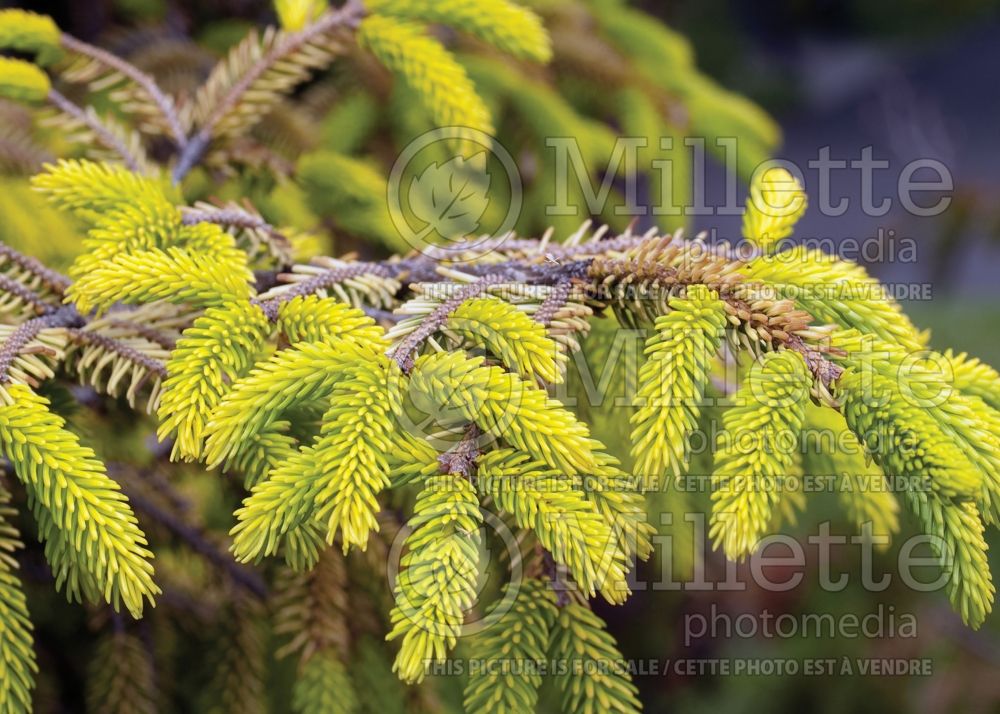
{"points": [[844, 73]]}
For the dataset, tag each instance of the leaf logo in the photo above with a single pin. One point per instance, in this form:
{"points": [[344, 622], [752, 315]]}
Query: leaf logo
{"points": [[442, 202], [452, 197]]}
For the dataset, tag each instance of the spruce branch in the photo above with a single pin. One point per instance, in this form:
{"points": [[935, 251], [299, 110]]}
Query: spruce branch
{"points": [[228, 216], [461, 459], [311, 609], [52, 279], [640, 286], [131, 354], [18, 664], [119, 367], [162, 100], [273, 299], [507, 685], [509, 244], [19, 153], [24, 294], [348, 16], [403, 353], [26, 332], [145, 331], [103, 133], [233, 216], [553, 302], [581, 640]]}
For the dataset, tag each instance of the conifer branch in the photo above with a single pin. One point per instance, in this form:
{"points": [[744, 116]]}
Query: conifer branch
{"points": [[104, 135], [403, 353], [19, 153], [506, 684], [233, 216], [26, 332], [52, 279], [145, 331], [18, 665], [153, 366], [121, 674], [332, 419], [228, 216], [92, 539], [580, 640], [24, 294], [348, 16], [461, 459], [272, 301], [147, 83], [553, 302]]}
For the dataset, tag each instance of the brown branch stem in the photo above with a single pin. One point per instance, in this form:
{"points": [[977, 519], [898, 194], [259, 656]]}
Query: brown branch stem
{"points": [[25, 294], [319, 282], [462, 458], [22, 336], [56, 281], [403, 352], [110, 344]]}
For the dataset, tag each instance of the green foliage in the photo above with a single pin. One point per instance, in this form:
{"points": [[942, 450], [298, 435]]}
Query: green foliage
{"points": [[173, 275], [502, 24], [335, 480], [924, 425], [428, 69], [323, 687], [296, 14], [248, 83], [582, 644], [665, 60], [776, 203], [377, 689], [516, 639], [17, 654], [973, 377], [350, 396], [506, 407], [957, 532], [32, 224], [860, 482], [304, 372], [25, 31], [310, 318], [216, 350], [835, 291], [121, 678], [669, 185], [930, 437], [238, 679], [22, 81], [311, 611], [672, 384], [439, 572], [90, 189], [92, 540], [556, 509], [353, 192], [756, 451], [509, 334]]}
